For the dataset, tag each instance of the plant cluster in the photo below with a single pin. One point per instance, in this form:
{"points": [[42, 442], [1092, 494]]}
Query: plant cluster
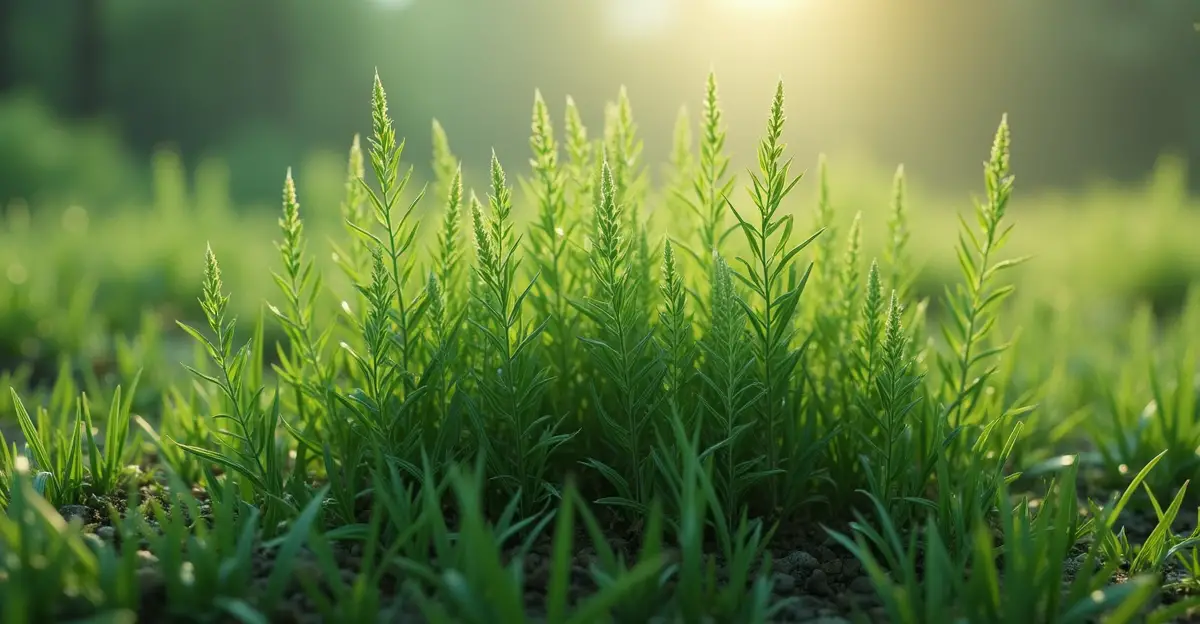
{"points": [[467, 410]]}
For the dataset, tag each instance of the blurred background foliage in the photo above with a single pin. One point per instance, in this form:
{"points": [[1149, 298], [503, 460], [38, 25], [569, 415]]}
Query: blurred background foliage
{"points": [[133, 131], [1095, 88]]}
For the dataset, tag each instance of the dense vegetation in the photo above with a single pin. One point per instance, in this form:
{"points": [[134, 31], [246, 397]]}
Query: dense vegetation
{"points": [[685, 403]]}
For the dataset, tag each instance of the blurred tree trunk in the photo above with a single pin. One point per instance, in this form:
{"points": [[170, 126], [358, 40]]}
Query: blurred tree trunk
{"points": [[8, 70], [89, 48]]}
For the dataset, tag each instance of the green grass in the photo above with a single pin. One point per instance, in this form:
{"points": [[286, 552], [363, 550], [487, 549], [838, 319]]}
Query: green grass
{"points": [[450, 397]]}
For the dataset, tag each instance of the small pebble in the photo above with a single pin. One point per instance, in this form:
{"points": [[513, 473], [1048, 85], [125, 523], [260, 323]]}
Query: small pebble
{"points": [[862, 585], [800, 560], [75, 511], [833, 568], [784, 583], [818, 583], [106, 533]]}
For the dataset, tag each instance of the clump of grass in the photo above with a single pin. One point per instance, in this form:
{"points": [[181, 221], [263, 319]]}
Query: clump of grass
{"points": [[48, 570], [597, 383]]}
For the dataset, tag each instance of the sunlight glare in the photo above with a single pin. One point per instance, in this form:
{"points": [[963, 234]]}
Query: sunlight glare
{"points": [[767, 5], [633, 18]]}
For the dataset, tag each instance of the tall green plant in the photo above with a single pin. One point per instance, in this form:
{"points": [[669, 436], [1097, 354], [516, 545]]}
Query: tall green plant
{"points": [[511, 383], [728, 372], [675, 334], [549, 244], [355, 258], [971, 305], [896, 258], [445, 163], [396, 239], [249, 449], [579, 163], [775, 303], [448, 254], [893, 465], [712, 184], [303, 367], [621, 352]]}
